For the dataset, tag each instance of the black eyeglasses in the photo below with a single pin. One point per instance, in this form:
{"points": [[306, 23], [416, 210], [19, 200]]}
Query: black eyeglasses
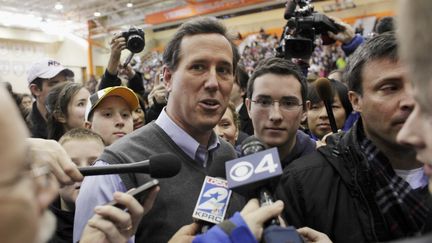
{"points": [[286, 103]]}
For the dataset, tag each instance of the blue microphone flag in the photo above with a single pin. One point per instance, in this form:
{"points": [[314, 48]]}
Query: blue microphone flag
{"points": [[213, 200]]}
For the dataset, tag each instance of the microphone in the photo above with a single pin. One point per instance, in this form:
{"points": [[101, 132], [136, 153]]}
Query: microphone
{"points": [[290, 7], [215, 181], [248, 174], [254, 172], [158, 166], [324, 90], [212, 202], [251, 175]]}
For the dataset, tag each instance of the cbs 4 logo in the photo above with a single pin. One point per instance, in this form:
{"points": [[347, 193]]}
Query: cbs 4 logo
{"points": [[243, 170]]}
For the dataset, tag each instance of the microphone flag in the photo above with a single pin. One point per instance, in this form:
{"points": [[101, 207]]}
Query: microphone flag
{"points": [[213, 200]]}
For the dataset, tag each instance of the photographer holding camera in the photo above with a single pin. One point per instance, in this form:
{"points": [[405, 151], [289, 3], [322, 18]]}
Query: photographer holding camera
{"points": [[134, 41], [114, 68]]}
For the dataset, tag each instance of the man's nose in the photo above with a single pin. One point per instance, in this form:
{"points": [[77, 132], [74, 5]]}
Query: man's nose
{"points": [[275, 111], [211, 82]]}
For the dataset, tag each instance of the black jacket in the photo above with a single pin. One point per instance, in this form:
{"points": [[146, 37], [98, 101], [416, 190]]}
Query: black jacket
{"points": [[65, 220], [322, 191], [36, 123], [245, 121], [135, 83]]}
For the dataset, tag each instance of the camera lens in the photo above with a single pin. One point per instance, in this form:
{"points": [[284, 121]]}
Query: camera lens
{"points": [[135, 43]]}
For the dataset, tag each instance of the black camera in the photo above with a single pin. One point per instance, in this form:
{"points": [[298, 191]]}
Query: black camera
{"points": [[302, 28], [135, 41]]}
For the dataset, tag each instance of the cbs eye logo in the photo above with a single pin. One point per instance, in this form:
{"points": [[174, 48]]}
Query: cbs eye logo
{"points": [[243, 170]]}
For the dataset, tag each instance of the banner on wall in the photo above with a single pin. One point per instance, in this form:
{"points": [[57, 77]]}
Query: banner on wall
{"points": [[196, 8]]}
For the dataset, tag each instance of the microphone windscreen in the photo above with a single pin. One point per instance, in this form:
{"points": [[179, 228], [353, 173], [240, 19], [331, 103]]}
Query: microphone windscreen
{"points": [[217, 167], [164, 165], [324, 90], [252, 145], [290, 7]]}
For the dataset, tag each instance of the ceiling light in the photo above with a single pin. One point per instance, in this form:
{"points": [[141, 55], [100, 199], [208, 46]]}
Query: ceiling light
{"points": [[58, 6], [129, 5], [97, 14]]}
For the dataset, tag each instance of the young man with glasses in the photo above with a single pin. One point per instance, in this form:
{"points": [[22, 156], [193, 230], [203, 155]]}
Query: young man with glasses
{"points": [[276, 102]]}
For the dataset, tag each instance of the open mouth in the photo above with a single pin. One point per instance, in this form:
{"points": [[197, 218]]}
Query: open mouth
{"points": [[210, 104]]}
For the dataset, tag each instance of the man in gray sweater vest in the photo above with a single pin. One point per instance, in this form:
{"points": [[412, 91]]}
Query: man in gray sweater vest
{"points": [[200, 63]]}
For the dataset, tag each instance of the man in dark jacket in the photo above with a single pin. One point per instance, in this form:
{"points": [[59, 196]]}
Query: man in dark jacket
{"points": [[276, 102], [364, 186]]}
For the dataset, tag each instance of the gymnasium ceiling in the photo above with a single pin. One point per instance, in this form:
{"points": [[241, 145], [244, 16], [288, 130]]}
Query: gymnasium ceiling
{"points": [[114, 14]]}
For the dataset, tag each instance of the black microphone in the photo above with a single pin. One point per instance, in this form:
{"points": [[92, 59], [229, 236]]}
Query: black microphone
{"points": [[252, 145], [324, 90], [273, 232], [217, 167], [252, 174], [257, 168], [290, 7], [158, 166]]}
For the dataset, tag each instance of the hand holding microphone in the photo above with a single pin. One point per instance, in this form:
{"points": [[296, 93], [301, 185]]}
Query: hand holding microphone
{"points": [[115, 225], [256, 216], [313, 236]]}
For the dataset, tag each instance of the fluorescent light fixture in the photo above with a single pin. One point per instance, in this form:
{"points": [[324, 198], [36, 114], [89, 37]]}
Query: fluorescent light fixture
{"points": [[97, 14], [129, 5], [58, 6], [30, 21]]}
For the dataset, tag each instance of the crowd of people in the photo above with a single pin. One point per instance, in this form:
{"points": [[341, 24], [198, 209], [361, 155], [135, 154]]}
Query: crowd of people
{"points": [[365, 183], [253, 48]]}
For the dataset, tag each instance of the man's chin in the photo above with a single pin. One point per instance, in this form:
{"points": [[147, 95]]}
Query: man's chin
{"points": [[47, 227], [273, 143], [207, 124]]}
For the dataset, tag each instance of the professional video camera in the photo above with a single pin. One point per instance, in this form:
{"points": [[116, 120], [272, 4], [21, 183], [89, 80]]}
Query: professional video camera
{"points": [[135, 41], [302, 28]]}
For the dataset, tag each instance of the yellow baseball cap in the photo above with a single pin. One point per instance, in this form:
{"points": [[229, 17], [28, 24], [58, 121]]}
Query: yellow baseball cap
{"points": [[127, 94]]}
